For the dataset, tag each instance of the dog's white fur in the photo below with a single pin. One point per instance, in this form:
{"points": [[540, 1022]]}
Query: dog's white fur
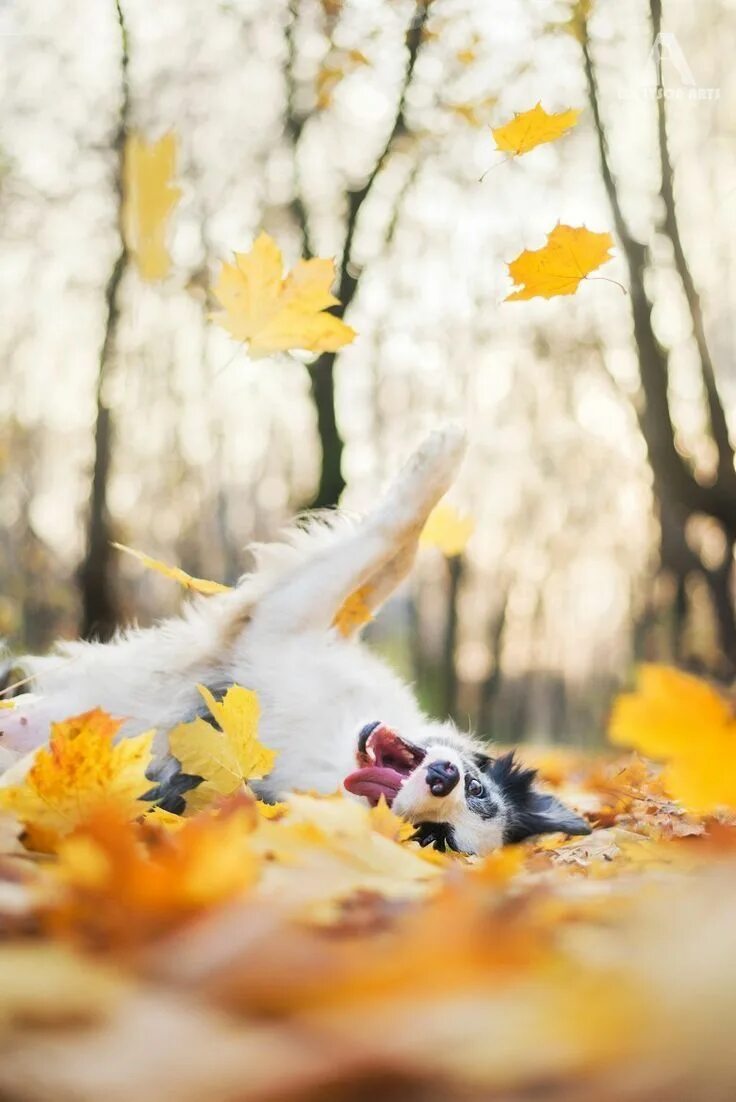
{"points": [[273, 633]]}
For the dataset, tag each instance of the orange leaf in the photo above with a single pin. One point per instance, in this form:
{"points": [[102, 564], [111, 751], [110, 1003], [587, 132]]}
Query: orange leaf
{"points": [[124, 883], [80, 770]]}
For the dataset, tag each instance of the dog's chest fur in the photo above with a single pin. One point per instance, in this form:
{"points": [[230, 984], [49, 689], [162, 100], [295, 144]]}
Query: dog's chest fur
{"points": [[334, 689]]}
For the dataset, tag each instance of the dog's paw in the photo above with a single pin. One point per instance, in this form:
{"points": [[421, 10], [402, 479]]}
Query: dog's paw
{"points": [[428, 474], [439, 456], [438, 835]]}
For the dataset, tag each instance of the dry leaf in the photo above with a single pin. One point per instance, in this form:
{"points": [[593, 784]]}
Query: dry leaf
{"points": [[388, 823], [198, 585], [228, 756], [532, 128], [276, 314], [683, 721], [80, 770], [569, 255], [149, 198], [327, 849], [123, 883], [447, 530]]}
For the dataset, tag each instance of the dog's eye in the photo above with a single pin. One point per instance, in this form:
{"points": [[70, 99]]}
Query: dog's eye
{"points": [[473, 787]]}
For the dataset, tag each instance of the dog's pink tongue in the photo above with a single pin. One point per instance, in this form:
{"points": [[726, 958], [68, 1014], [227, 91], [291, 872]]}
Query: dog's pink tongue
{"points": [[374, 781]]}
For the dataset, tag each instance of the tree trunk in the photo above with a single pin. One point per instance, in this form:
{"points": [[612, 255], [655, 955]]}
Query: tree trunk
{"points": [[322, 372], [100, 609], [678, 493]]}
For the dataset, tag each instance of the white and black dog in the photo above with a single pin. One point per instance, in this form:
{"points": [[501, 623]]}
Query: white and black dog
{"points": [[337, 715]]}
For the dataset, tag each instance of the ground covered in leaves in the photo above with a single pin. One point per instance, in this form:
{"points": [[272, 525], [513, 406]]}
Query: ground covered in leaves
{"points": [[312, 950]]}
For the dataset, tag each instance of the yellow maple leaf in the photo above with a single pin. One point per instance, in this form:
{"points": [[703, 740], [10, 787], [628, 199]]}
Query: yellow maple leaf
{"points": [[683, 721], [275, 314], [531, 128], [270, 811], [570, 254], [333, 847], [231, 755], [447, 530], [198, 585], [80, 770], [149, 197], [354, 612], [389, 824]]}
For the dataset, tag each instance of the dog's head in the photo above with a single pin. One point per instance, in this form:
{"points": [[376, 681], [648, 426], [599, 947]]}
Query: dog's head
{"points": [[458, 797]]}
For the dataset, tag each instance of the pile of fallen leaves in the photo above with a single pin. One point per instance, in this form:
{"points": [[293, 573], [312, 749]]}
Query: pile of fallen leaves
{"points": [[311, 949]]}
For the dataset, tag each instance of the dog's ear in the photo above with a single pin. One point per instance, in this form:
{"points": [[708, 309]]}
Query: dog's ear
{"points": [[529, 811]]}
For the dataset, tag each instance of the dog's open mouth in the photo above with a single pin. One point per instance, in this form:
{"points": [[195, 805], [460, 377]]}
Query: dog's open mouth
{"points": [[385, 762]]}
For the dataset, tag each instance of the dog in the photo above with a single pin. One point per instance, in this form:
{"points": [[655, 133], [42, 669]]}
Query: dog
{"points": [[338, 716]]}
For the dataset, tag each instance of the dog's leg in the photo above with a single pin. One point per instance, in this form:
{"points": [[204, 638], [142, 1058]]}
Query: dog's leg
{"points": [[375, 556]]}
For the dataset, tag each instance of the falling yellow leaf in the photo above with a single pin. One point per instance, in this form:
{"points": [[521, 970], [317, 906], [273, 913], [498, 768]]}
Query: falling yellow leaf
{"points": [[274, 314], [231, 755], [80, 770], [198, 585], [570, 254], [149, 197], [447, 530], [354, 612], [532, 128], [683, 721]]}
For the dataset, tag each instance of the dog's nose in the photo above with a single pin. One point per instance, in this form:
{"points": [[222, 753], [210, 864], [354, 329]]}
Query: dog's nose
{"points": [[442, 776]]}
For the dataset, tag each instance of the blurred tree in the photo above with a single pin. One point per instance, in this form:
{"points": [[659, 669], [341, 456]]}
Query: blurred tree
{"points": [[322, 371], [100, 611], [680, 493]]}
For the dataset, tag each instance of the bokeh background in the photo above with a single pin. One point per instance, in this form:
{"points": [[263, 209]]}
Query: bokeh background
{"points": [[600, 474]]}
